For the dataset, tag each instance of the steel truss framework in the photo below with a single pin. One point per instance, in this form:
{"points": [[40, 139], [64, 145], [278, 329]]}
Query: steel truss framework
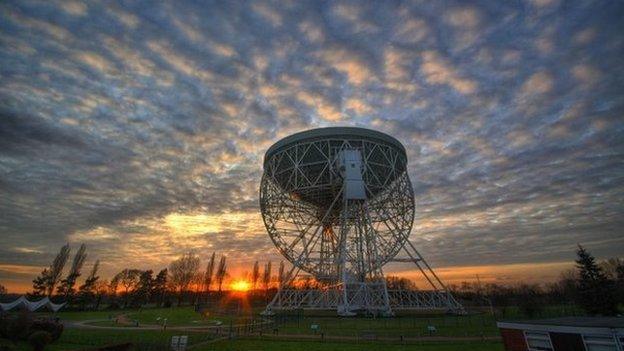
{"points": [[344, 243]]}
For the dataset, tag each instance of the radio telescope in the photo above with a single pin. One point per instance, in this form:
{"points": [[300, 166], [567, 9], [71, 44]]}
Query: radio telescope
{"points": [[338, 204]]}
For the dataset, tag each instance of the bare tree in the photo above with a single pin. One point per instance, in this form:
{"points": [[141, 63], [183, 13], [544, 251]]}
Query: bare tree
{"points": [[221, 272], [183, 271], [56, 269], [66, 287], [610, 267], [266, 276], [128, 278], [255, 275], [101, 288]]}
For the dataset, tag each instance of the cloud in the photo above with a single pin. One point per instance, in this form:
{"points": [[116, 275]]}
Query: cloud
{"points": [[141, 130], [438, 71]]}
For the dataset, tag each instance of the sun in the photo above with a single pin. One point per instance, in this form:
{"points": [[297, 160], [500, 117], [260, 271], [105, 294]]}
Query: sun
{"points": [[240, 286]]}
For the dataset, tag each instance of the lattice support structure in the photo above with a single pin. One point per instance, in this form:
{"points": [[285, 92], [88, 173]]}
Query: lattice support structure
{"points": [[399, 300], [338, 204]]}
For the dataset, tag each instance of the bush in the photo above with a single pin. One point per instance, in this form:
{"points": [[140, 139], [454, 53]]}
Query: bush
{"points": [[23, 325], [126, 346], [55, 329], [113, 306], [16, 327], [39, 339]]}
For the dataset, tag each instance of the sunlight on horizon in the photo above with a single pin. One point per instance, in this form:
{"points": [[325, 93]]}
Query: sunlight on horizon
{"points": [[240, 286]]}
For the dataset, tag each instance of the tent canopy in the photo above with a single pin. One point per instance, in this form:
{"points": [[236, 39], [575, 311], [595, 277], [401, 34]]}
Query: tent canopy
{"points": [[24, 303]]}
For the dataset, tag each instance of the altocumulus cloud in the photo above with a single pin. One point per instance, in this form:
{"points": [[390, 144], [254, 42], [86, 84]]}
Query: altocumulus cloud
{"points": [[140, 128]]}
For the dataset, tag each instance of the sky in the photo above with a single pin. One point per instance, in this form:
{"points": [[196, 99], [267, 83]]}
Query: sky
{"points": [[139, 128]]}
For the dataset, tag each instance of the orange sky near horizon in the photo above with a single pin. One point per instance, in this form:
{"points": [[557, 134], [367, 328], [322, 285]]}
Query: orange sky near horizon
{"points": [[508, 274]]}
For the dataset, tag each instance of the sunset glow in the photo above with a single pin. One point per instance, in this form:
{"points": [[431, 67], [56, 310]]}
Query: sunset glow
{"points": [[140, 131], [240, 286]]}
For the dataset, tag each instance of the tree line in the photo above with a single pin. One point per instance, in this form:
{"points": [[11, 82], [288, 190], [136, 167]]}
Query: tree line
{"points": [[597, 287], [182, 281]]}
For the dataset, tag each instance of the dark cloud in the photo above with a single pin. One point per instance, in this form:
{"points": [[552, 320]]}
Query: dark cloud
{"points": [[141, 129]]}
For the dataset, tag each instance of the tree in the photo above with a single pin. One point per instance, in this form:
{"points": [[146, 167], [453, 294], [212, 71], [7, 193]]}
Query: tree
{"points": [[399, 283], [255, 275], [565, 289], [101, 288], [40, 283], [66, 286], [266, 276], [610, 267], [595, 290], [3, 290], [159, 287], [144, 288], [619, 282], [86, 292], [208, 274], [56, 269], [129, 279], [183, 271], [280, 274], [529, 300], [45, 282], [221, 272]]}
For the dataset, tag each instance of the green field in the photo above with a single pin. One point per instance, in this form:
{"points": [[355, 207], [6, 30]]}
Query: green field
{"points": [[476, 325], [264, 345], [287, 333]]}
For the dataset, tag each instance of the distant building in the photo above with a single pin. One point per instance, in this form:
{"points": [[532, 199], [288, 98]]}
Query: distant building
{"points": [[564, 334]]}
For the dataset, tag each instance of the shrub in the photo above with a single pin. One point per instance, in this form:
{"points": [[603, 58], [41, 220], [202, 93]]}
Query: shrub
{"points": [[113, 306], [22, 326], [16, 327], [55, 329], [39, 339], [126, 346]]}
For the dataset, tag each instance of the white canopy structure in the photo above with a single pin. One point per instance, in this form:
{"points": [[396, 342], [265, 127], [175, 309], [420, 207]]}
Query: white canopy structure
{"points": [[22, 302]]}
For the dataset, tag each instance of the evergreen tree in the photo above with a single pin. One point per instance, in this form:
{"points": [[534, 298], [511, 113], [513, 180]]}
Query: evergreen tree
{"points": [[595, 290]]}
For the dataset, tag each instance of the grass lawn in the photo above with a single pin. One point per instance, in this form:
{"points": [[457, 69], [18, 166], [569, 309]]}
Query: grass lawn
{"points": [[329, 324], [269, 345], [75, 339], [475, 325]]}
